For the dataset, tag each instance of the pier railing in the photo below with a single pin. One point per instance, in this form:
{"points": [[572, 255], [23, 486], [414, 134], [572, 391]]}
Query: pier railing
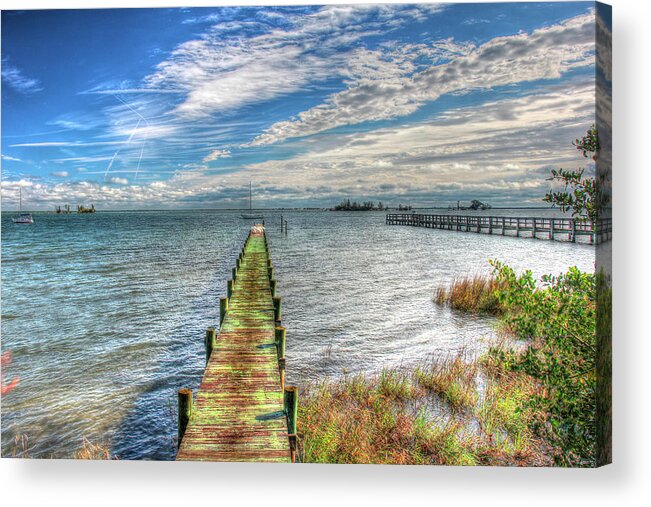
{"points": [[564, 229], [243, 410]]}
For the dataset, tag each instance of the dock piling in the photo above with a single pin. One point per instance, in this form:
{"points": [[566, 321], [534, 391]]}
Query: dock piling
{"points": [[223, 308], [185, 411], [210, 342], [278, 310], [281, 338], [291, 408]]}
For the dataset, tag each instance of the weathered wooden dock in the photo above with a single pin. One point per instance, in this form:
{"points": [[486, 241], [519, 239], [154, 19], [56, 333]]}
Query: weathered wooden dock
{"points": [[560, 229], [243, 411]]}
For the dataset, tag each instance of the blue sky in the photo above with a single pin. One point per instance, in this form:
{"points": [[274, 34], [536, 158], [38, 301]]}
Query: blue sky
{"points": [[422, 104]]}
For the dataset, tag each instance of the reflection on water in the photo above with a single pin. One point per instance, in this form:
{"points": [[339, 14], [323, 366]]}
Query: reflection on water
{"points": [[105, 313]]}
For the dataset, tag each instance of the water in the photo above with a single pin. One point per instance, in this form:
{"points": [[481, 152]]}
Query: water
{"points": [[105, 314]]}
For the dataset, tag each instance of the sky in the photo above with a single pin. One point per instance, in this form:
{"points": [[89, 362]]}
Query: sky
{"points": [[421, 104]]}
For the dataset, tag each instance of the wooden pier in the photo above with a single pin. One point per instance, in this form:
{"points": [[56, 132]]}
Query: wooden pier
{"points": [[560, 229], [243, 411]]}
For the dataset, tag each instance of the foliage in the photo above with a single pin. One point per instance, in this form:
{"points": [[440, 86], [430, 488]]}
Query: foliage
{"points": [[476, 294], [347, 205], [582, 195], [390, 418], [558, 322], [475, 205], [589, 144]]}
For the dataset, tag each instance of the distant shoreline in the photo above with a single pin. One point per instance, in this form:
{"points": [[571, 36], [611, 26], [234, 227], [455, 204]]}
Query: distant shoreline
{"points": [[391, 210]]}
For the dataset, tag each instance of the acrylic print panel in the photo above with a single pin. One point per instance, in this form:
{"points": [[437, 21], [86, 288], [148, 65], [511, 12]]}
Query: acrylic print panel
{"points": [[331, 234]]}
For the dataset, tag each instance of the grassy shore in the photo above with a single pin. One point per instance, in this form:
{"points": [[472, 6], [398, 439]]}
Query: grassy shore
{"points": [[528, 401], [475, 294], [99, 450], [452, 412]]}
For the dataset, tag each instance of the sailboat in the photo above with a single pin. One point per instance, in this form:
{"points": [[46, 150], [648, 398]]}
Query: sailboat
{"points": [[23, 218], [251, 215]]}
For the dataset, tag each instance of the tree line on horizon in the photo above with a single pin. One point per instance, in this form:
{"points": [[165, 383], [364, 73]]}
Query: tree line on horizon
{"points": [[348, 205]]}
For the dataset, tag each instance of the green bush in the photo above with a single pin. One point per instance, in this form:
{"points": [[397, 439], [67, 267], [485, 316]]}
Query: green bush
{"points": [[558, 321]]}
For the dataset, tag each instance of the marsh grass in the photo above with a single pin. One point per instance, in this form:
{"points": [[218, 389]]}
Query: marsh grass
{"points": [[453, 380], [94, 450], [89, 450], [388, 418], [475, 294]]}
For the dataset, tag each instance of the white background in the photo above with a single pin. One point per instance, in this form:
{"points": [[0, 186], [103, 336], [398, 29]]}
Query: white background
{"points": [[626, 482]]}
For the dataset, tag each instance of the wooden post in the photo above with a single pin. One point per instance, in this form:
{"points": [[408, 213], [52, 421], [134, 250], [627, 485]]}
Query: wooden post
{"points": [[185, 411], [281, 338], [229, 288], [237, 263], [291, 409], [281, 224], [272, 286], [223, 308], [517, 228], [210, 341], [573, 238], [292, 447], [533, 234], [503, 225], [552, 224], [278, 309], [234, 274], [270, 272]]}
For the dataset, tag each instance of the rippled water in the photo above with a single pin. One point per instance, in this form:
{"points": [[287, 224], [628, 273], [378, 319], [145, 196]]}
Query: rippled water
{"points": [[105, 314]]}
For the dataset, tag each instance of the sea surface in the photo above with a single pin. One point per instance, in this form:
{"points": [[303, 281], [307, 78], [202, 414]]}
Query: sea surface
{"points": [[105, 314]]}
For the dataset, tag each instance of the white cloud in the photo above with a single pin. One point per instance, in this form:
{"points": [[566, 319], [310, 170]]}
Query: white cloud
{"points": [[146, 131], [65, 144], [117, 180], [13, 159], [223, 71], [545, 53], [215, 154], [60, 174], [502, 151], [503, 145], [14, 78]]}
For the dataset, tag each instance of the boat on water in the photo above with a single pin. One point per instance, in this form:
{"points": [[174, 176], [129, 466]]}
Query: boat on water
{"points": [[251, 215], [23, 218]]}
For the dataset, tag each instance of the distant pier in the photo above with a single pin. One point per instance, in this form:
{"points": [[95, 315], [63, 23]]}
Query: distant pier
{"points": [[243, 410], [559, 229]]}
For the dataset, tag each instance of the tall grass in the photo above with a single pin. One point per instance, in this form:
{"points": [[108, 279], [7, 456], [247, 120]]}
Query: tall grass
{"points": [[94, 450], [88, 450], [390, 418], [475, 294]]}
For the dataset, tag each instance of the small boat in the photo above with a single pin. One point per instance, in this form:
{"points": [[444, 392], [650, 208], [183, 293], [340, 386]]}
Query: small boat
{"points": [[251, 215], [23, 218]]}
